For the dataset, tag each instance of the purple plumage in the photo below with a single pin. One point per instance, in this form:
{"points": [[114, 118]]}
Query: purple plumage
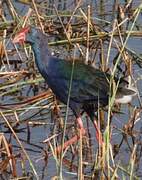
{"points": [[89, 87]]}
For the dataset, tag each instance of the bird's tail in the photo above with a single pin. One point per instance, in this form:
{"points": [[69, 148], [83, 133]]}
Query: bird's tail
{"points": [[125, 95]]}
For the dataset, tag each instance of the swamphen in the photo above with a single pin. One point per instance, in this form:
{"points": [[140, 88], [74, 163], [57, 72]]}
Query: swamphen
{"points": [[90, 86]]}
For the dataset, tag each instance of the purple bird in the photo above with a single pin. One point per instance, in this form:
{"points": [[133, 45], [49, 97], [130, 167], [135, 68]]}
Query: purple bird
{"points": [[89, 86]]}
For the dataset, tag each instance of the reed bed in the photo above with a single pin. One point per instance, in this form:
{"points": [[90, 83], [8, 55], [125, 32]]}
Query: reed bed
{"points": [[33, 122]]}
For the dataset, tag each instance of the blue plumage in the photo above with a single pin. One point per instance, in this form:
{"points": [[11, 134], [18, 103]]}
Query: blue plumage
{"points": [[89, 85]]}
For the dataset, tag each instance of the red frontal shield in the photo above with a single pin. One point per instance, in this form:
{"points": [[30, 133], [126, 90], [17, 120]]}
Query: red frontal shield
{"points": [[21, 36]]}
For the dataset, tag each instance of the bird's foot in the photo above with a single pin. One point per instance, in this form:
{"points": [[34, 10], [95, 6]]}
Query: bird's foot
{"points": [[73, 139]]}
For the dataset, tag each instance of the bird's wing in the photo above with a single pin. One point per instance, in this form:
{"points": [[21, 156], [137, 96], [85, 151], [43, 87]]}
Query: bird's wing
{"points": [[88, 84]]}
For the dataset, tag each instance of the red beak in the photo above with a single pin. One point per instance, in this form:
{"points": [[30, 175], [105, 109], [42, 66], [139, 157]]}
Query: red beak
{"points": [[21, 36]]}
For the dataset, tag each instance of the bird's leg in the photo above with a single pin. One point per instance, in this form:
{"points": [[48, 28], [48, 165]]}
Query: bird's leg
{"points": [[73, 139], [98, 133], [80, 124]]}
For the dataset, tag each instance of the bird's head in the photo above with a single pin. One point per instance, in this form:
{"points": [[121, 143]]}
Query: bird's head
{"points": [[29, 35]]}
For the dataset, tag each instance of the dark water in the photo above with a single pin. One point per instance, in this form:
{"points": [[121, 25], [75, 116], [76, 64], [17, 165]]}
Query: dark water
{"points": [[35, 147]]}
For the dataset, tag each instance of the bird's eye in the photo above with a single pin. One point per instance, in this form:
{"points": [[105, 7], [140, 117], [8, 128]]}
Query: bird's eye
{"points": [[30, 30]]}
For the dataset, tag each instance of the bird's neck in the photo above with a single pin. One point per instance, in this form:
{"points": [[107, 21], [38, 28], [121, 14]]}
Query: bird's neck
{"points": [[42, 54]]}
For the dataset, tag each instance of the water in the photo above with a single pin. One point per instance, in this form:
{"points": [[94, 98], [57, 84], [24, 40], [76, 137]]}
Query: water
{"points": [[32, 136]]}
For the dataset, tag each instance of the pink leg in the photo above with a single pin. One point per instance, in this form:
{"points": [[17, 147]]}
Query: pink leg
{"points": [[75, 138], [82, 130], [98, 133]]}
